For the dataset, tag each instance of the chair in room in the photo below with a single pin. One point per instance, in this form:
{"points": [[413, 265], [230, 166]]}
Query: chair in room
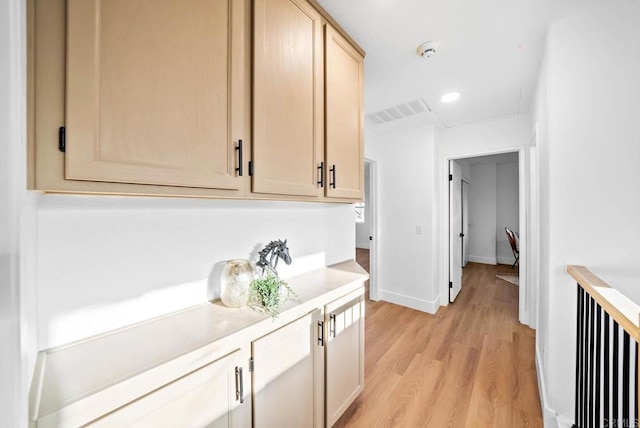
{"points": [[514, 246]]}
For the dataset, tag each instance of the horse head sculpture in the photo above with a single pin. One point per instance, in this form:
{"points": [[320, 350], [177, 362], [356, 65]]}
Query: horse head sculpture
{"points": [[271, 254]]}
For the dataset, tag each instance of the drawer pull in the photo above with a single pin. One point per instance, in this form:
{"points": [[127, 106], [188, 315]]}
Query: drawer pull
{"points": [[239, 385]]}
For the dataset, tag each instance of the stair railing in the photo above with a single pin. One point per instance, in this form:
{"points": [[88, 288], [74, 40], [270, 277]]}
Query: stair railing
{"points": [[607, 333]]}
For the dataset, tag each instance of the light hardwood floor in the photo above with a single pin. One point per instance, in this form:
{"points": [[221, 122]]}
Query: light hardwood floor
{"points": [[470, 365]]}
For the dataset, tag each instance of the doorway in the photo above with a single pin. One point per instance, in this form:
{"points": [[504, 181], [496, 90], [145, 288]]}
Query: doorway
{"points": [[462, 228], [366, 228]]}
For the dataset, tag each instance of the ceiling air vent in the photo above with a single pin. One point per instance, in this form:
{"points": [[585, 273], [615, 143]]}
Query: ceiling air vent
{"points": [[398, 112]]}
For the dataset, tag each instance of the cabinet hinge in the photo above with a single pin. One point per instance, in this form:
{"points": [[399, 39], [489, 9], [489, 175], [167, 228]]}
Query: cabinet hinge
{"points": [[450, 284], [250, 168], [62, 139], [450, 177], [251, 364]]}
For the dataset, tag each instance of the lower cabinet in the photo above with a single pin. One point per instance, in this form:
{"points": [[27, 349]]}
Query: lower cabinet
{"points": [[344, 353], [215, 395], [288, 375], [302, 370]]}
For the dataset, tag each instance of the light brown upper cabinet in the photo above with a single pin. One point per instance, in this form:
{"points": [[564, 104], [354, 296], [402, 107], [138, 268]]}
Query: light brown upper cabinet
{"points": [[148, 93], [151, 93], [344, 117], [200, 98], [287, 98]]}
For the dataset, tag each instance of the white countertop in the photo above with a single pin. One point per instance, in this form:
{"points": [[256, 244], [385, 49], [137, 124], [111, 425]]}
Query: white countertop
{"points": [[123, 364]]}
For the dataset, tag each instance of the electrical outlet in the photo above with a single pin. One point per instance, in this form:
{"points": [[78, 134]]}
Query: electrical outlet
{"points": [[418, 229]]}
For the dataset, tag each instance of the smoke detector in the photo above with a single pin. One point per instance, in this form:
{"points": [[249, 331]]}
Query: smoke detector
{"points": [[428, 49]]}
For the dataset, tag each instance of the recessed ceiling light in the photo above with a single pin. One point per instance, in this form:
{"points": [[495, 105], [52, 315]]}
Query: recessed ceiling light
{"points": [[450, 97]]}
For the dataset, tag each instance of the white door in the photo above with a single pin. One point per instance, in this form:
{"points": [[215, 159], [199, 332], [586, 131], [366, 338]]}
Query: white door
{"points": [[465, 223], [455, 230]]}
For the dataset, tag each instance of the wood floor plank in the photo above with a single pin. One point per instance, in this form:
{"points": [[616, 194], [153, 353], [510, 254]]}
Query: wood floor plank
{"points": [[471, 364]]}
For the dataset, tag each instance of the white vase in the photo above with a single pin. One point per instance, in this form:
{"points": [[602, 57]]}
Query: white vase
{"points": [[235, 281]]}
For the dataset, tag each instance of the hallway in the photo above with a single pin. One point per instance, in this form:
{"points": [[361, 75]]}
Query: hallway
{"points": [[472, 364]]}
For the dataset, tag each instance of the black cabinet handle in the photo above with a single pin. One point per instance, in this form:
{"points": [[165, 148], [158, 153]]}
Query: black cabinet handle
{"points": [[321, 333], [239, 385], [239, 150], [332, 325], [321, 172], [332, 183]]}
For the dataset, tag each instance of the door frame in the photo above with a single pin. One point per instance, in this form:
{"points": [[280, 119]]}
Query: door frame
{"points": [[453, 165], [523, 160], [373, 229]]}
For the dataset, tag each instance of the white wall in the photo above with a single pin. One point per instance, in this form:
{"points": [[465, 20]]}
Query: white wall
{"points": [[9, 281], [507, 208], [587, 108], [17, 224], [105, 262], [493, 204], [363, 230], [482, 213], [406, 201]]}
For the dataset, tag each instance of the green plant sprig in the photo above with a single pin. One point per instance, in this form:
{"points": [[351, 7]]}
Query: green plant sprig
{"points": [[264, 294]]}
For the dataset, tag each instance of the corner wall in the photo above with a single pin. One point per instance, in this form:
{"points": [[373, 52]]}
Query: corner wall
{"points": [[17, 224], [483, 213], [406, 203], [588, 132]]}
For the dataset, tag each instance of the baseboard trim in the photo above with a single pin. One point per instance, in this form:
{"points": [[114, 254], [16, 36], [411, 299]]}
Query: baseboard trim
{"points": [[429, 306], [550, 418], [506, 260], [363, 245], [483, 260], [564, 422]]}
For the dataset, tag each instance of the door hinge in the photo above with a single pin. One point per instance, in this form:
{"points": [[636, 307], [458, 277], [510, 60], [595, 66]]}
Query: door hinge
{"points": [[450, 177], [450, 284], [250, 168], [251, 364], [62, 139], [371, 238]]}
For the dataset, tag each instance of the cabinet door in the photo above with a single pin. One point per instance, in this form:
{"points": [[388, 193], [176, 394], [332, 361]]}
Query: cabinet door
{"points": [[287, 98], [344, 121], [344, 353], [213, 396], [154, 92], [288, 375]]}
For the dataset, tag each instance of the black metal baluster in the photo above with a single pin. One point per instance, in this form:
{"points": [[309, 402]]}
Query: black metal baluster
{"points": [[579, 355], [626, 364], [585, 372], [592, 319], [598, 361], [635, 386], [636, 389], [615, 377], [607, 349]]}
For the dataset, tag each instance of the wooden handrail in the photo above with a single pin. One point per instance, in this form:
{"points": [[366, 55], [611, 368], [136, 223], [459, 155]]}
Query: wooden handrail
{"points": [[595, 287]]}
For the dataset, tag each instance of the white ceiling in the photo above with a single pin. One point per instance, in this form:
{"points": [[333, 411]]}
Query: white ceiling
{"points": [[490, 52]]}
